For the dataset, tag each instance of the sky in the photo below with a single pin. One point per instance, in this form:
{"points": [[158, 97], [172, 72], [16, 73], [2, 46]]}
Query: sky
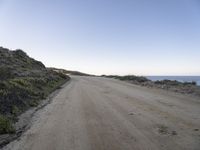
{"points": [[141, 37]]}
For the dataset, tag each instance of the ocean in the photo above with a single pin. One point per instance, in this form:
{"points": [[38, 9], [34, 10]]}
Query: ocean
{"points": [[178, 78]]}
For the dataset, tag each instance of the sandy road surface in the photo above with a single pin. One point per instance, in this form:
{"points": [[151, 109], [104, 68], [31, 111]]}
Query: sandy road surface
{"points": [[94, 113]]}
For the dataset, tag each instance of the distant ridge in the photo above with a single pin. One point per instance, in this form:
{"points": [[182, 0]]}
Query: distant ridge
{"points": [[70, 72]]}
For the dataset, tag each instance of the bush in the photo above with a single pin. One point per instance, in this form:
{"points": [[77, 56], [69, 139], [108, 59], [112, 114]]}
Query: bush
{"points": [[190, 83], [132, 78], [21, 82], [5, 73], [15, 110], [174, 83], [5, 125], [63, 75]]}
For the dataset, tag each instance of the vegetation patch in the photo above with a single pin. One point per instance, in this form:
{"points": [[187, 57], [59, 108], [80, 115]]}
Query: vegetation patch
{"points": [[6, 125], [24, 82], [138, 79], [170, 85]]}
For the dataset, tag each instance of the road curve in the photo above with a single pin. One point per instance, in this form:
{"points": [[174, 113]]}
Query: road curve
{"points": [[93, 113]]}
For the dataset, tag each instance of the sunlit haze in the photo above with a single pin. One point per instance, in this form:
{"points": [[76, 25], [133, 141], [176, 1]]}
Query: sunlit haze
{"points": [[142, 37]]}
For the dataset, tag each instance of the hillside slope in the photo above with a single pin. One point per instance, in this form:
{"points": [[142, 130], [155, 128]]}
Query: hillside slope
{"points": [[23, 83]]}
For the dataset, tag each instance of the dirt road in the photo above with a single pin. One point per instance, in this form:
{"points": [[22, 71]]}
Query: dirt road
{"points": [[94, 113]]}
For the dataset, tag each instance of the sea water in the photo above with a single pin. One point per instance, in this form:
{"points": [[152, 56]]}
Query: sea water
{"points": [[178, 78]]}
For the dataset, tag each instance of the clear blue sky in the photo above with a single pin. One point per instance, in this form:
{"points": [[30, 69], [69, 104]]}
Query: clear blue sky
{"points": [[142, 37]]}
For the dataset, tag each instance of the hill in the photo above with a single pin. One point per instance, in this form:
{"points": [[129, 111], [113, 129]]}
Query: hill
{"points": [[24, 82]]}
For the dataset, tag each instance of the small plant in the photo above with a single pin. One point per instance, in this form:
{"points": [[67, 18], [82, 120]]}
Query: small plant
{"points": [[162, 129], [5, 73], [21, 82], [15, 110], [5, 125], [34, 103]]}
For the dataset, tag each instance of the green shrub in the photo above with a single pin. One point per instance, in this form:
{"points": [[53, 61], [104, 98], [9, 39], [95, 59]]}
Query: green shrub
{"points": [[22, 82], [3, 93], [63, 75], [15, 110], [5, 73], [5, 125], [34, 103], [130, 78]]}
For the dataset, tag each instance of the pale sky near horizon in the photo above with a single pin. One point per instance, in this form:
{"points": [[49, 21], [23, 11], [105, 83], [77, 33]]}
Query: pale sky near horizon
{"points": [[142, 37]]}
